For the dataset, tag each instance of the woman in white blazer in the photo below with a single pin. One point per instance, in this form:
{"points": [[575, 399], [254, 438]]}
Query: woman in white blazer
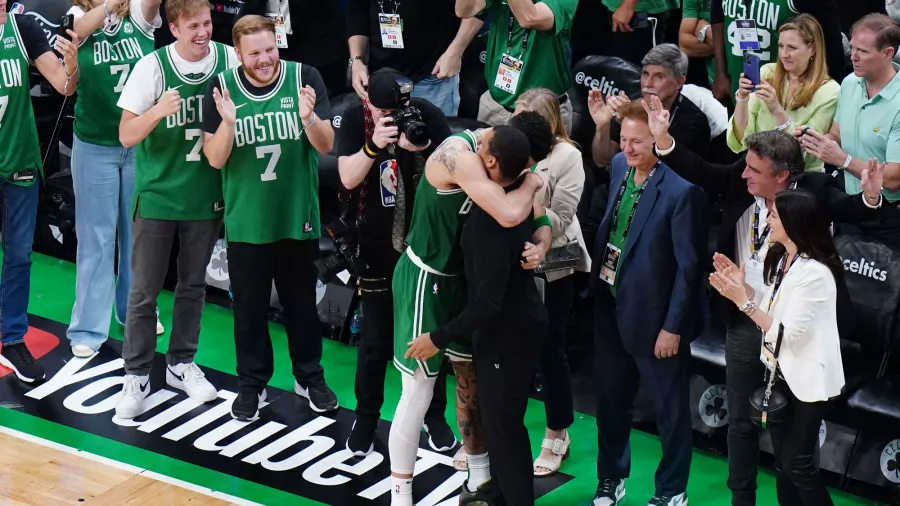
{"points": [[801, 270], [563, 175]]}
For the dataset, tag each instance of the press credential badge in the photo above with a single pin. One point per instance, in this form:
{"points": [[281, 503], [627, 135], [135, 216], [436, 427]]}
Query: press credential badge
{"points": [[508, 74], [391, 31]]}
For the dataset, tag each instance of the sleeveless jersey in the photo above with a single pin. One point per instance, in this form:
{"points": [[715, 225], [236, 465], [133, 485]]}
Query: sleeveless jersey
{"points": [[438, 218], [173, 179], [19, 146], [769, 16], [105, 59], [271, 178]]}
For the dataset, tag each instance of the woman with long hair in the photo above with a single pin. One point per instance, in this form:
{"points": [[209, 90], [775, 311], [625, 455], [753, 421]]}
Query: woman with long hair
{"points": [[797, 314], [795, 90], [563, 175], [116, 34]]}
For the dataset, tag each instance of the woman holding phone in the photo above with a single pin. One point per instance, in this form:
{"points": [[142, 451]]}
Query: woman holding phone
{"points": [[795, 90], [796, 313], [115, 35]]}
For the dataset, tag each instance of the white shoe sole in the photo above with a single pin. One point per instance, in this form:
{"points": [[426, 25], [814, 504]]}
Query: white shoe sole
{"points": [[355, 453], [303, 392], [174, 382], [434, 446], [6, 363]]}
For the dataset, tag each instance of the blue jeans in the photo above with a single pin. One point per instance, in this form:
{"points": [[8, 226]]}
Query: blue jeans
{"points": [[443, 93], [18, 213], [103, 180]]}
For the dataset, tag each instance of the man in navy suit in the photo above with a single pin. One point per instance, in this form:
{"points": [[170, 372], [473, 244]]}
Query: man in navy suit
{"points": [[650, 303]]}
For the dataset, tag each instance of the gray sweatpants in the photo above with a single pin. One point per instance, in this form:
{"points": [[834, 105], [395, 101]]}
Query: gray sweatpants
{"points": [[149, 264]]}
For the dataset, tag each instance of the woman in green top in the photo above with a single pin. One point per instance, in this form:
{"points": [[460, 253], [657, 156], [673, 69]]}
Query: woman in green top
{"points": [[115, 35], [795, 90]]}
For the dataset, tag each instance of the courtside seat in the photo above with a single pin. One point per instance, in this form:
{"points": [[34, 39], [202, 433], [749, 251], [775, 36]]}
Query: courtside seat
{"points": [[709, 349], [876, 405], [472, 83]]}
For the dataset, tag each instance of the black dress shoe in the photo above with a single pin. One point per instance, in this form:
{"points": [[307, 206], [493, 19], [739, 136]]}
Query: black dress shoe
{"points": [[487, 494]]}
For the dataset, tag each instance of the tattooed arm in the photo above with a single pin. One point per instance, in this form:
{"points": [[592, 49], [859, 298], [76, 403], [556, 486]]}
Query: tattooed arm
{"points": [[467, 171]]}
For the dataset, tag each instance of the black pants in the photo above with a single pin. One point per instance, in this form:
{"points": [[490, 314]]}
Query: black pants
{"points": [[666, 380], [252, 268], [743, 374], [794, 444], [557, 377], [504, 383], [376, 351]]}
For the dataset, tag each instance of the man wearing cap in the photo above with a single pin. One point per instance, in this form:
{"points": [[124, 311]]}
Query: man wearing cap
{"points": [[379, 165]]}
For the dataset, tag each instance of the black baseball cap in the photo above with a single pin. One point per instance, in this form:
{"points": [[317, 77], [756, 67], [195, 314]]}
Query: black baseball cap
{"points": [[384, 88]]}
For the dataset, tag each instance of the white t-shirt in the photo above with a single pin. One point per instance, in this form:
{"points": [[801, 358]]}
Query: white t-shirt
{"points": [[742, 243], [137, 15], [145, 83]]}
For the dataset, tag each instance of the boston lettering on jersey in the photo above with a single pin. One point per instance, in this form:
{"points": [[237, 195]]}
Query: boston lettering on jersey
{"points": [[290, 448], [267, 127], [121, 50], [190, 113], [11, 71]]}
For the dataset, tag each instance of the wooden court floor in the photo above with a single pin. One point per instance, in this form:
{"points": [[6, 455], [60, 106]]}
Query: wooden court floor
{"points": [[33, 473]]}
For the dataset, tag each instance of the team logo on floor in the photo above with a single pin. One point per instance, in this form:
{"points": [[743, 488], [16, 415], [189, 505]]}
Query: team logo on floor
{"points": [[289, 448]]}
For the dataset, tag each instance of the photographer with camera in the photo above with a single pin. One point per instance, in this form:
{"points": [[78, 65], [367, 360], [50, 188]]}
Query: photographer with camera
{"points": [[382, 147]]}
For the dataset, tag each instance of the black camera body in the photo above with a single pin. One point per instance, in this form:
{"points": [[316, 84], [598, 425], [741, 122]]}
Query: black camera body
{"points": [[407, 117], [346, 254]]}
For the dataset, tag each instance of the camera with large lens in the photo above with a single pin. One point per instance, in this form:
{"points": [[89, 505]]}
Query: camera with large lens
{"points": [[346, 254], [408, 118]]}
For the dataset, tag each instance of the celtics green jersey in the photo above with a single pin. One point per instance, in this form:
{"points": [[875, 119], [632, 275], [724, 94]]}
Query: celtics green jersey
{"points": [[173, 179], [438, 218], [271, 178], [769, 16], [19, 147], [105, 59]]}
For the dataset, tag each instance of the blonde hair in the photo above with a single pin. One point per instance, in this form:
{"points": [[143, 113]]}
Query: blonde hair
{"points": [[86, 5], [248, 25], [816, 73], [546, 103], [175, 9]]}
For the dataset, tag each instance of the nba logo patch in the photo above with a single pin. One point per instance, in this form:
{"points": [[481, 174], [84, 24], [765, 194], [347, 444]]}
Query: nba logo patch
{"points": [[388, 170], [17, 8], [435, 289], [307, 227]]}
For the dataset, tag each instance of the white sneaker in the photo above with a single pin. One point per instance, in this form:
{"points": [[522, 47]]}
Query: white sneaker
{"points": [[190, 378], [82, 351], [678, 500], [160, 330], [134, 391]]}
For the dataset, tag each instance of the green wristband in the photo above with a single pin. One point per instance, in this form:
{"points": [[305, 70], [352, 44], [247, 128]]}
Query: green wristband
{"points": [[541, 221]]}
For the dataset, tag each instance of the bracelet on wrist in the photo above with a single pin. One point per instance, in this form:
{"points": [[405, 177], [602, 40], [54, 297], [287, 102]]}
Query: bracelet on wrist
{"points": [[311, 123], [749, 307], [737, 96], [847, 162]]}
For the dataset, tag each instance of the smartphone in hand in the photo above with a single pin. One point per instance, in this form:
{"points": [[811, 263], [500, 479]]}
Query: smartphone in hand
{"points": [[751, 68], [67, 22]]}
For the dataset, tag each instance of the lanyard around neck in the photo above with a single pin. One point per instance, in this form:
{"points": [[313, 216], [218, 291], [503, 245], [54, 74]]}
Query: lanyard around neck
{"points": [[637, 198]]}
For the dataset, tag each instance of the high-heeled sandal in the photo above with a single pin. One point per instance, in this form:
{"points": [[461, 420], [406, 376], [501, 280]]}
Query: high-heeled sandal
{"points": [[559, 448]]}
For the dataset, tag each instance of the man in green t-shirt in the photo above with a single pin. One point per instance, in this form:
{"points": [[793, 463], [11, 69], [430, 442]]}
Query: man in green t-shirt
{"points": [[637, 26], [265, 125], [528, 46], [695, 37]]}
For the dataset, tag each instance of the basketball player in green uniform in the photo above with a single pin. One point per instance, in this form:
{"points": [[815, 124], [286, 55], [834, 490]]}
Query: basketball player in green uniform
{"points": [[429, 289], [264, 129], [176, 192], [24, 44], [115, 35]]}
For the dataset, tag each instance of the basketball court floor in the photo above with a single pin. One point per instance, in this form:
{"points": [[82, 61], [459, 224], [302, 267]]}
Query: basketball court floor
{"points": [[60, 443]]}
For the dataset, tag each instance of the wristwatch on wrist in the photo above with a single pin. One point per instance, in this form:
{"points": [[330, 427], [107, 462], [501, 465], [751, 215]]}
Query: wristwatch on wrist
{"points": [[353, 59], [701, 35]]}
